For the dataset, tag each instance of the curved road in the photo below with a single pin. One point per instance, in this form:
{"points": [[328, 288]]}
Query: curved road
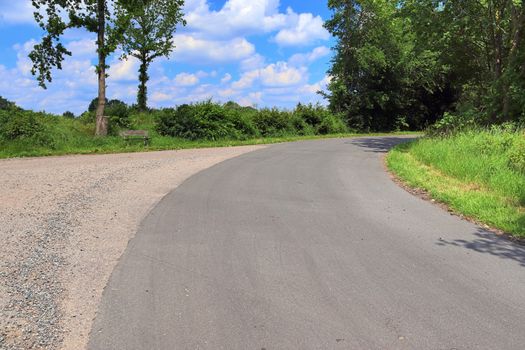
{"points": [[310, 245]]}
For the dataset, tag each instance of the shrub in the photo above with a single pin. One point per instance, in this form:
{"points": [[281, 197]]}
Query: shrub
{"points": [[451, 124], [332, 124], [16, 124], [118, 113], [273, 122], [313, 115], [6, 104], [68, 114], [321, 120], [206, 120]]}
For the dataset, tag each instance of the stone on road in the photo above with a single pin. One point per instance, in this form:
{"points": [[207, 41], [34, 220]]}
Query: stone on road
{"points": [[310, 245]]}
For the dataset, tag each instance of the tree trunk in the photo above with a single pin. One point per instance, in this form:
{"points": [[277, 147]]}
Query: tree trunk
{"points": [[102, 121], [142, 95]]}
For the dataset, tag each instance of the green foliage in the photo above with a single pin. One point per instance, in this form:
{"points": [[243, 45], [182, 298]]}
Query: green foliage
{"points": [[213, 121], [38, 134], [274, 122], [451, 124], [149, 35], [93, 104], [16, 124], [422, 58], [206, 120], [6, 104], [118, 113], [320, 120], [517, 155], [478, 172], [68, 114], [332, 124], [56, 16]]}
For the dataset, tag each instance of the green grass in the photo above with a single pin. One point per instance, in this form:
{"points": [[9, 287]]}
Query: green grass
{"points": [[478, 173], [32, 134], [113, 144], [70, 136]]}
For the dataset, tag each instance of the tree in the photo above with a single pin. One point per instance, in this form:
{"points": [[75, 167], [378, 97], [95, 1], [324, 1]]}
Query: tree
{"points": [[378, 78], [417, 59], [55, 17], [150, 35]]}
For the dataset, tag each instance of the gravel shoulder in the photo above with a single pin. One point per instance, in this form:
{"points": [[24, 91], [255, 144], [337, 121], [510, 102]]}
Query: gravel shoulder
{"points": [[64, 223]]}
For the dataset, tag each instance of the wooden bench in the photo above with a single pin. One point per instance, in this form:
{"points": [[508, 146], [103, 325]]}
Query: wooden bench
{"points": [[129, 135]]}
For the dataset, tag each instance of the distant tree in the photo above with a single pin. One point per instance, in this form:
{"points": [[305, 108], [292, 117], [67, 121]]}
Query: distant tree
{"points": [[150, 35], [97, 16], [6, 104], [68, 114]]}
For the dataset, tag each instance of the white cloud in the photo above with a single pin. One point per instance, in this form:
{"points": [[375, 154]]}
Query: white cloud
{"points": [[235, 18], [84, 47], [16, 12], [275, 74], [226, 78], [252, 99], [124, 70], [186, 79], [303, 59], [193, 50], [303, 29], [253, 62]]}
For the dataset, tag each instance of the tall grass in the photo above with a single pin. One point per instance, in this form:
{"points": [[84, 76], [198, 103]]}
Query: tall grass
{"points": [[480, 173]]}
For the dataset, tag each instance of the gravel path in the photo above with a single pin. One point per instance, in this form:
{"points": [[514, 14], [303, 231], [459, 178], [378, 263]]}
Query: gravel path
{"points": [[64, 223]]}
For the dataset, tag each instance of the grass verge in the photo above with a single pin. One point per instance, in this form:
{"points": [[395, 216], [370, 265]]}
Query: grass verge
{"points": [[477, 174], [112, 144]]}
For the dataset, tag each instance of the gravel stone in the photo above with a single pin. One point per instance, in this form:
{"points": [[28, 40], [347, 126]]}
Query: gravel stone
{"points": [[64, 223]]}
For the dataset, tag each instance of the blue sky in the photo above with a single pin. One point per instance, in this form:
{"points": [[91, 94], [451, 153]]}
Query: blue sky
{"points": [[254, 52]]}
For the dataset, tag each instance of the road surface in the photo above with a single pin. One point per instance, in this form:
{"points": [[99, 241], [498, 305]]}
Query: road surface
{"points": [[310, 245]]}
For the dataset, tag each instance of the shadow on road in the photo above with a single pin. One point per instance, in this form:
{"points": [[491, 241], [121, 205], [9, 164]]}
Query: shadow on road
{"points": [[489, 243], [379, 144]]}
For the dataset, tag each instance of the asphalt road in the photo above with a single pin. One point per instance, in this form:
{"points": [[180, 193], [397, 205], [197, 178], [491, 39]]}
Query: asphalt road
{"points": [[310, 245]]}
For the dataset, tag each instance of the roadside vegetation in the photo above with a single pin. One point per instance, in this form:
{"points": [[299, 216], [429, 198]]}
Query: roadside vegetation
{"points": [[454, 68], [204, 124], [478, 172]]}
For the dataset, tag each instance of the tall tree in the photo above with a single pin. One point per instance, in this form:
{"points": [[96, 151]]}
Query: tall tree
{"points": [[150, 35], [378, 78], [483, 44], [55, 17]]}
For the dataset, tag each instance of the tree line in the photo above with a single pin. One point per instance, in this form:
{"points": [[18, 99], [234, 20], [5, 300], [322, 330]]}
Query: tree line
{"points": [[412, 61], [140, 28]]}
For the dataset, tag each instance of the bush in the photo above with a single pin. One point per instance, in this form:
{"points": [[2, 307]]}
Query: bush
{"points": [[451, 124], [206, 120], [118, 113], [16, 124], [313, 115], [321, 120], [68, 114], [273, 122], [6, 104], [332, 124]]}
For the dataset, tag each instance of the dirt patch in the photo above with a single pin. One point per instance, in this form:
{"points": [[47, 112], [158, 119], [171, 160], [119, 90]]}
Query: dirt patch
{"points": [[64, 223]]}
